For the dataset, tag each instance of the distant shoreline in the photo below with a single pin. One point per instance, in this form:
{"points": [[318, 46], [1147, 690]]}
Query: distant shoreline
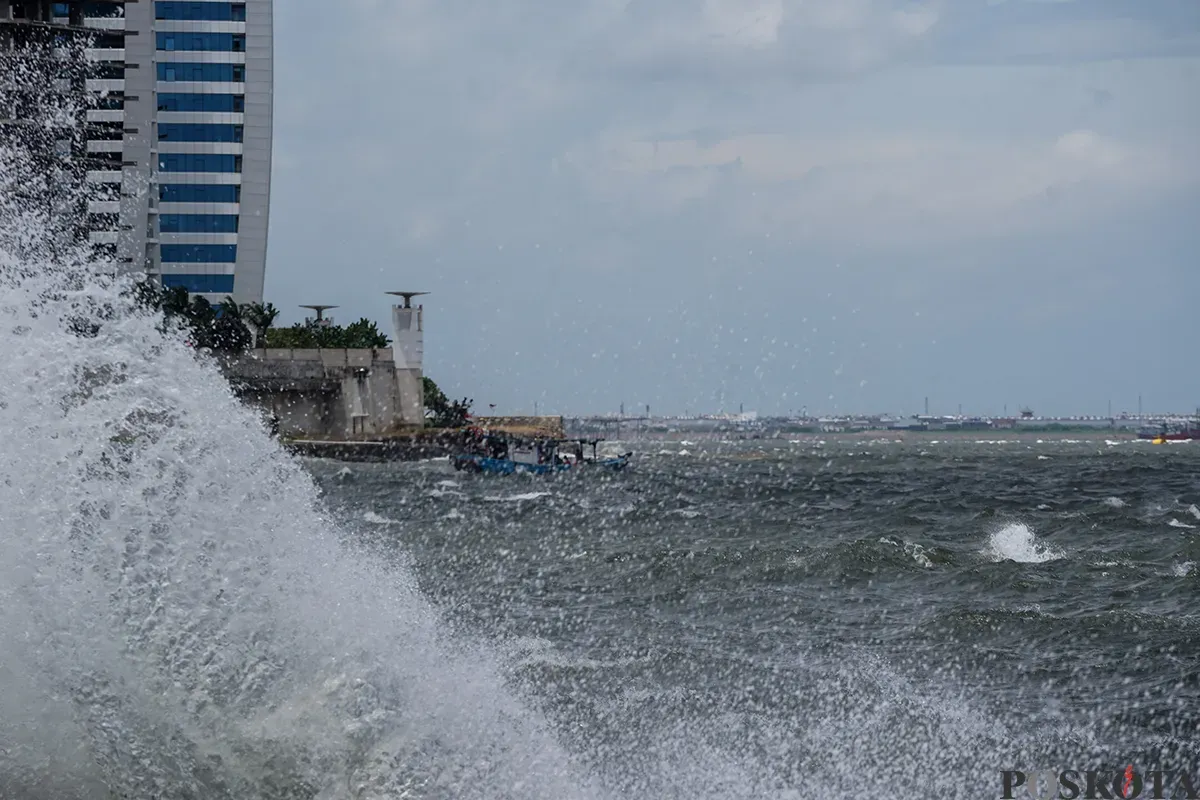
{"points": [[991, 436], [899, 435]]}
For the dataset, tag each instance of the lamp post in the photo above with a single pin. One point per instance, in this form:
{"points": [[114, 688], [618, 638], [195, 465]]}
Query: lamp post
{"points": [[408, 296], [320, 309]]}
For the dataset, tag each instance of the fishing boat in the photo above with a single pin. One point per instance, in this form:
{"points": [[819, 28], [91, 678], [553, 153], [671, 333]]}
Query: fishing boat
{"points": [[497, 454], [1176, 431]]}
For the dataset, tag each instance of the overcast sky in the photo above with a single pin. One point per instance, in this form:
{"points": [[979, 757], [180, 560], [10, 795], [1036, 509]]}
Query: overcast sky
{"points": [[844, 205]]}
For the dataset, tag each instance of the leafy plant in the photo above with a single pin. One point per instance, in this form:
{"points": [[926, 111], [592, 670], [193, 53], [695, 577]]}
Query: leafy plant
{"points": [[220, 328], [434, 398], [363, 334], [259, 318], [441, 412], [231, 328]]}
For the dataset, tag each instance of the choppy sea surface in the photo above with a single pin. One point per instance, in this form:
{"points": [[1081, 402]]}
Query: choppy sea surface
{"points": [[824, 619], [189, 613]]}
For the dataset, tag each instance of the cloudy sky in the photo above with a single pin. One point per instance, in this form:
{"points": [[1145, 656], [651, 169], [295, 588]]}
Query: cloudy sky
{"points": [[695, 204]]}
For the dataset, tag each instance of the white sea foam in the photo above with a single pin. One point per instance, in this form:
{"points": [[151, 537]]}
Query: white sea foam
{"points": [[178, 615], [918, 554], [1017, 542], [911, 549], [516, 498]]}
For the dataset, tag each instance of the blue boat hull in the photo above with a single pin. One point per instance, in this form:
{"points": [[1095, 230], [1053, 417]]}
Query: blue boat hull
{"points": [[502, 466]]}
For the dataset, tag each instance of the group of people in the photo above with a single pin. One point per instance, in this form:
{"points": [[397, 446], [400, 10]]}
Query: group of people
{"points": [[480, 442]]}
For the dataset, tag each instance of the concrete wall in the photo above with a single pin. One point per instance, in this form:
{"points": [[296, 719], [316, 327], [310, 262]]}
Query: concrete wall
{"points": [[410, 390], [330, 394], [532, 426], [408, 349], [408, 331], [137, 247], [258, 122]]}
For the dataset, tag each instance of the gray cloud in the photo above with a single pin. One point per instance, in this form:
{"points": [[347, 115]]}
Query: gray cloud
{"points": [[1051, 32], [670, 202]]}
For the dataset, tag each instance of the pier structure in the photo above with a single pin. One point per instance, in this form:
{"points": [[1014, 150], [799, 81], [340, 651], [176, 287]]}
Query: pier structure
{"points": [[337, 395]]}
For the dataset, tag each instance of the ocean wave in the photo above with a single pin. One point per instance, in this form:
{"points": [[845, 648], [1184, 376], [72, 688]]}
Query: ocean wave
{"points": [[523, 497], [1017, 542]]}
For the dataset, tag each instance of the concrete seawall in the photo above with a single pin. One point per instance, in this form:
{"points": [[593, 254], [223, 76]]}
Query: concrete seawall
{"points": [[354, 405], [547, 427], [333, 394], [425, 444], [414, 448]]}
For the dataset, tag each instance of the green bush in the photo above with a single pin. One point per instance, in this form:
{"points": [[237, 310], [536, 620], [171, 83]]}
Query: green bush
{"points": [[217, 328], [231, 328], [363, 334], [441, 412]]}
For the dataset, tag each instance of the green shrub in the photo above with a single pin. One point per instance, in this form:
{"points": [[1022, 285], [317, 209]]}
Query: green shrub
{"points": [[363, 334]]}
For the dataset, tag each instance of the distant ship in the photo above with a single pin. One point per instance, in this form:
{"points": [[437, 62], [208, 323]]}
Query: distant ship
{"points": [[1176, 431]]}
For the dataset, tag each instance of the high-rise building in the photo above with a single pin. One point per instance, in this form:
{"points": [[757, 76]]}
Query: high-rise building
{"points": [[106, 121], [178, 136], [44, 90], [199, 109]]}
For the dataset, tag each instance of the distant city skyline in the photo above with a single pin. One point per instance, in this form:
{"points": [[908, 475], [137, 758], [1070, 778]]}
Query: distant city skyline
{"points": [[811, 415], [848, 206]]}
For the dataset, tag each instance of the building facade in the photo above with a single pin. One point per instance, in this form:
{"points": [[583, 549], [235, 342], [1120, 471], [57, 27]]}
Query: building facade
{"points": [[201, 116], [44, 82], [178, 137]]}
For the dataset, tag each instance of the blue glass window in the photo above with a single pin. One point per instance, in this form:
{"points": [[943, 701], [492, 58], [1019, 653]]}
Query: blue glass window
{"points": [[103, 8], [108, 41], [199, 193], [180, 132], [210, 284], [220, 12], [214, 73], [62, 9], [198, 253], [199, 162], [198, 223], [220, 42], [235, 103]]}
